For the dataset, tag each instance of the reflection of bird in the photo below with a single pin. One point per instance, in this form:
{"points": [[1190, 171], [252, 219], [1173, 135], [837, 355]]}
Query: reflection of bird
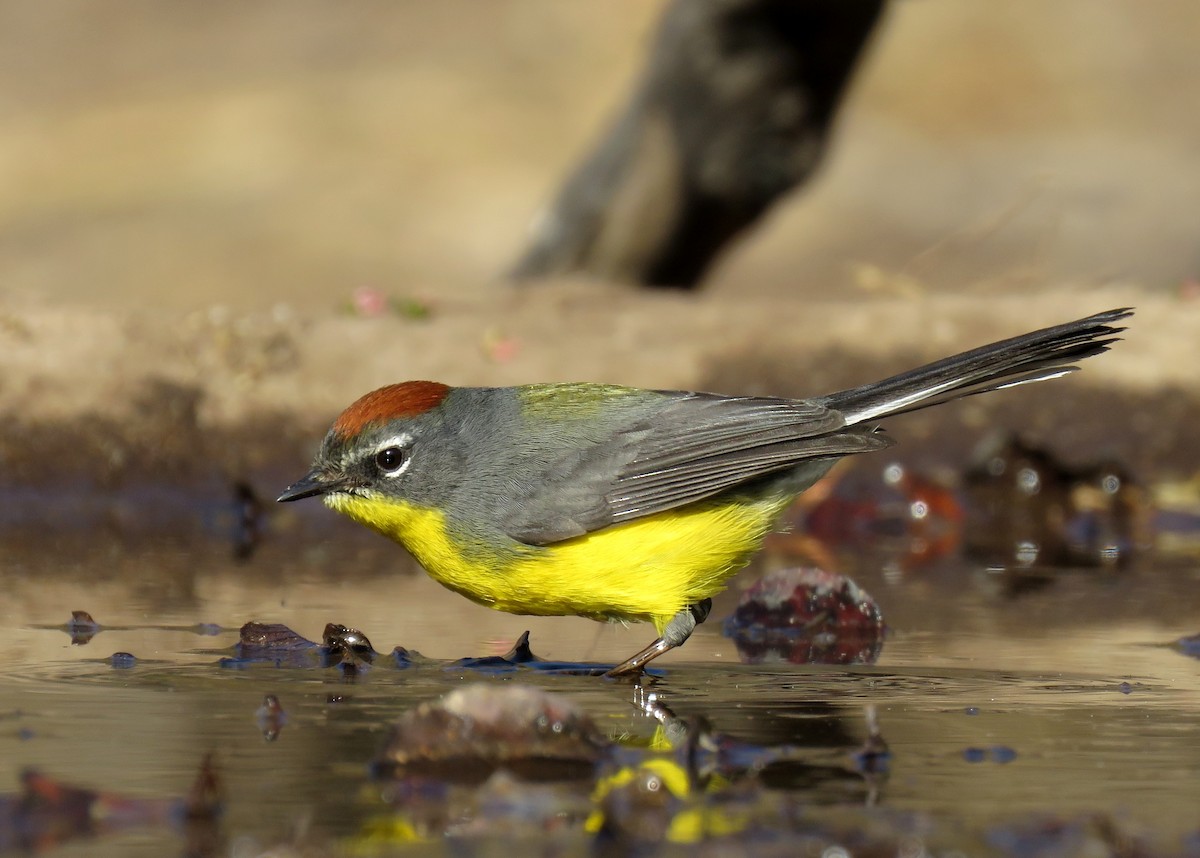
{"points": [[615, 503]]}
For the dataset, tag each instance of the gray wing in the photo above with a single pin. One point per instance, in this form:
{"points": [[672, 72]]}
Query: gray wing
{"points": [[681, 448]]}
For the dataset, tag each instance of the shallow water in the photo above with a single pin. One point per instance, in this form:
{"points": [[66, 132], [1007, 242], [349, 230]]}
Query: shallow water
{"points": [[998, 699]]}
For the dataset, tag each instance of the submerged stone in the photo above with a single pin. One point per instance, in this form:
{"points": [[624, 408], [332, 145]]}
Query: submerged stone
{"points": [[474, 730], [807, 616], [346, 642], [345, 648]]}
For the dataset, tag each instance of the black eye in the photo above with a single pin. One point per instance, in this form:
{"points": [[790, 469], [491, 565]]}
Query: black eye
{"points": [[389, 458]]}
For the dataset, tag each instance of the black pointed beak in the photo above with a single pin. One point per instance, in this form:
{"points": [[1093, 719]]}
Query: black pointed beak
{"points": [[312, 484]]}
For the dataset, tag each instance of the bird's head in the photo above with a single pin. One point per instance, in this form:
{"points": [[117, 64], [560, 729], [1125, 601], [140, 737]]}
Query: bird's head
{"points": [[374, 446]]}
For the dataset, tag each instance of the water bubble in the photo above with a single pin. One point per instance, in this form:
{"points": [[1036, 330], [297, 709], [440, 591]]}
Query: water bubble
{"points": [[1029, 481], [918, 509], [1111, 484], [893, 474], [996, 466], [1026, 553]]}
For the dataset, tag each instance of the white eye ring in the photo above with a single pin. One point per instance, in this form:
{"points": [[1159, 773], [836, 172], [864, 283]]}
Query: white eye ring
{"points": [[392, 456]]}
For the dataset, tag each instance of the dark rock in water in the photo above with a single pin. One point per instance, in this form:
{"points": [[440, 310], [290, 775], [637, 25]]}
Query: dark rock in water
{"points": [[122, 660], [346, 649], [82, 628], [254, 638], [807, 616], [350, 652], [474, 730], [347, 642], [273, 643]]}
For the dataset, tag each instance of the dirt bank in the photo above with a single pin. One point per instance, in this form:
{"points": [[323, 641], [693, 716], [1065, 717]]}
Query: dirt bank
{"points": [[114, 395]]}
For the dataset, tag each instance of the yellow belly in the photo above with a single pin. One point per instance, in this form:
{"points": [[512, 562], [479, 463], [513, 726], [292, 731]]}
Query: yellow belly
{"points": [[647, 569]]}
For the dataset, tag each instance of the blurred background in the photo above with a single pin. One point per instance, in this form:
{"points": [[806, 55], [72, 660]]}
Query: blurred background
{"points": [[212, 196], [221, 222], [179, 155]]}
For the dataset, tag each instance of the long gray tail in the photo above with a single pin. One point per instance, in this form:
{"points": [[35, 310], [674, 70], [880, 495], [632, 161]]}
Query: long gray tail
{"points": [[1037, 356]]}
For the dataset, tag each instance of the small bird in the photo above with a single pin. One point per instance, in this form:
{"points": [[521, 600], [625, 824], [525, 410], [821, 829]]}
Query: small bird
{"points": [[617, 503]]}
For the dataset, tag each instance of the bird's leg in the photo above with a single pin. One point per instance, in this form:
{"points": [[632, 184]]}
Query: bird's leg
{"points": [[677, 631]]}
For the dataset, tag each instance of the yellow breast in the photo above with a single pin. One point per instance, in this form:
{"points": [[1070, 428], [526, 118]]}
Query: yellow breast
{"points": [[646, 569]]}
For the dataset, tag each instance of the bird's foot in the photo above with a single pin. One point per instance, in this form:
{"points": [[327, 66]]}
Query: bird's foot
{"points": [[676, 632]]}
